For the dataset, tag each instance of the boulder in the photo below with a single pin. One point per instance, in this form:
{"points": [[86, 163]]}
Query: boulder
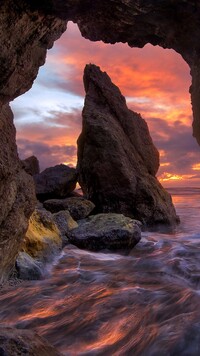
{"points": [[65, 223], [27, 268], [43, 239], [55, 182], [78, 207], [24, 342], [106, 231], [31, 165], [117, 160]]}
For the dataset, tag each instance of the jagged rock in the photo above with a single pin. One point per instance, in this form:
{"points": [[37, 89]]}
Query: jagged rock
{"points": [[31, 165], [117, 160], [43, 239], [55, 182], [28, 268], [65, 223], [24, 342], [78, 207], [106, 231]]}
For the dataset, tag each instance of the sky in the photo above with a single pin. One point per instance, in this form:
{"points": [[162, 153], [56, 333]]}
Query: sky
{"points": [[154, 81]]}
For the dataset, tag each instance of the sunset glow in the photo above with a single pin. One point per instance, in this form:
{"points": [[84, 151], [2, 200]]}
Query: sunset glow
{"points": [[196, 167], [155, 82]]}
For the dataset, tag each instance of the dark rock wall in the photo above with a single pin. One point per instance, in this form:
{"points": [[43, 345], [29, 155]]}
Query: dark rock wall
{"points": [[17, 197], [24, 39], [29, 27]]}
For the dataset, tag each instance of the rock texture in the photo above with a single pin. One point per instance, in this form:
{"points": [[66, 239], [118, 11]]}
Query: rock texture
{"points": [[78, 207], [106, 231], [17, 197], [55, 182], [117, 160], [24, 342], [31, 165], [25, 37], [43, 238]]}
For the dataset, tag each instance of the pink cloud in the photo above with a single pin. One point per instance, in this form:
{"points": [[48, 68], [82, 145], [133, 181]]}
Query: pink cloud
{"points": [[155, 82]]}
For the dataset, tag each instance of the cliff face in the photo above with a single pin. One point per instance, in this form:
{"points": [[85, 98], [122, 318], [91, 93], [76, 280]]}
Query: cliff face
{"points": [[25, 37], [29, 27], [17, 196]]}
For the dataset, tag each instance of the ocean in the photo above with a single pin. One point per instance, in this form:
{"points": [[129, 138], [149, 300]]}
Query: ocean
{"points": [[142, 302]]}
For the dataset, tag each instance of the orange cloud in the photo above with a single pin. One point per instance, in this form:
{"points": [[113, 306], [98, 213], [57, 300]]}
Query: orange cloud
{"points": [[159, 76], [196, 167], [155, 83]]}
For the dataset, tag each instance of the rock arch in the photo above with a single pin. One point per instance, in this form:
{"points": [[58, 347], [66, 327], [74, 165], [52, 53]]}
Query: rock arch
{"points": [[29, 28]]}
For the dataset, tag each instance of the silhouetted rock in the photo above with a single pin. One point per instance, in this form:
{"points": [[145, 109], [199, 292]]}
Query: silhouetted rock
{"points": [[24, 342], [106, 231], [55, 182], [78, 207], [31, 165], [28, 268], [117, 160]]}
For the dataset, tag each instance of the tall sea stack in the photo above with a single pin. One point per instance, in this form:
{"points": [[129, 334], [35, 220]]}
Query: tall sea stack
{"points": [[117, 160]]}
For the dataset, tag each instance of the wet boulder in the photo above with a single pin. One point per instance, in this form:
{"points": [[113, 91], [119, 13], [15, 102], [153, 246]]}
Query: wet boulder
{"points": [[43, 238], [78, 207], [55, 182], [117, 160], [106, 231], [28, 268]]}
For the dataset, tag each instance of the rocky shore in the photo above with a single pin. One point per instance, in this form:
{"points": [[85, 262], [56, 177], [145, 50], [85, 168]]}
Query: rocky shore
{"points": [[116, 169], [117, 166], [28, 29]]}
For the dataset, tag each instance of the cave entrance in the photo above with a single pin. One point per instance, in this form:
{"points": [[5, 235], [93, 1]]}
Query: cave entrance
{"points": [[155, 82]]}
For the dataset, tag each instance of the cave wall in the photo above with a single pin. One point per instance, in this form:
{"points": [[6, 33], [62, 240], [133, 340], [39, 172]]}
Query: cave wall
{"points": [[24, 39], [28, 28]]}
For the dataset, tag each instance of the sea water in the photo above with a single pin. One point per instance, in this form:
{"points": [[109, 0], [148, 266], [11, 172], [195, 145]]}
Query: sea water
{"points": [[142, 302]]}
